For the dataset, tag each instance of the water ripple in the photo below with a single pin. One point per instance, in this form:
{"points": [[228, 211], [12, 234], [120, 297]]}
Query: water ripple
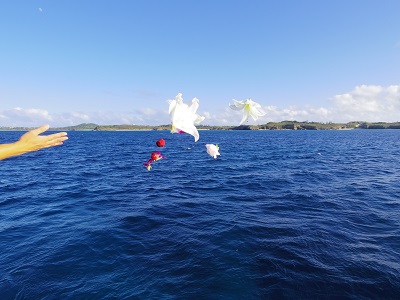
{"points": [[285, 215]]}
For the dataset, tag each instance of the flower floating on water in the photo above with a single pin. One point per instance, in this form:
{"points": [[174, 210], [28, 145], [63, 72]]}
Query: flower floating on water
{"points": [[154, 157], [147, 164], [213, 150], [160, 143], [249, 107], [183, 117]]}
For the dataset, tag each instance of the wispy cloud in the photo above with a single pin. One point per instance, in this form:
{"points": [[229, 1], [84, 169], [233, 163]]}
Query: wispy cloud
{"points": [[364, 103], [25, 117], [371, 103], [145, 116], [368, 103], [34, 117]]}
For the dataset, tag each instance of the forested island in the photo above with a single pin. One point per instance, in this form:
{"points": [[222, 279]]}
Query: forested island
{"points": [[283, 125]]}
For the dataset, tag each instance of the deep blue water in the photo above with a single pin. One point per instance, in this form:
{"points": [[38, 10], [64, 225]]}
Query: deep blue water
{"points": [[279, 215]]}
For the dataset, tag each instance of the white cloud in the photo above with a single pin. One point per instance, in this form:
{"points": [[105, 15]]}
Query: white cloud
{"points": [[370, 103], [148, 111], [25, 117], [141, 116], [32, 117], [215, 119]]}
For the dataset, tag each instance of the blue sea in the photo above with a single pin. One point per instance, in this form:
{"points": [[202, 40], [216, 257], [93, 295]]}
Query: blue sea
{"points": [[279, 215]]}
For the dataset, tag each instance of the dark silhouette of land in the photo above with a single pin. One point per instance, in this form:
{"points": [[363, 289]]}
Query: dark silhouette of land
{"points": [[283, 125]]}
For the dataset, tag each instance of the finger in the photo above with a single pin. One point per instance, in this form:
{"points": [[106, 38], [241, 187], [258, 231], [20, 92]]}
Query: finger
{"points": [[54, 138], [57, 135], [40, 129], [52, 141], [52, 144]]}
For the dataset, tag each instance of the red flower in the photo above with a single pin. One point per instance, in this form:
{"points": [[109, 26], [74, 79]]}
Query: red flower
{"points": [[156, 156], [160, 143]]}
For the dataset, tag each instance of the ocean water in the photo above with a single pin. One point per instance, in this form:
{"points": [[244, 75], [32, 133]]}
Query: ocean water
{"points": [[279, 215]]}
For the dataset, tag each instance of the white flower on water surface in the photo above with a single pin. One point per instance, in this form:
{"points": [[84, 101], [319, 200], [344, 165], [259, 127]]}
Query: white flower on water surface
{"points": [[249, 107], [183, 117], [213, 150]]}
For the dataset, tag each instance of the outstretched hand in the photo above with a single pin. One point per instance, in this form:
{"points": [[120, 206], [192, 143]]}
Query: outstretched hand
{"points": [[32, 141]]}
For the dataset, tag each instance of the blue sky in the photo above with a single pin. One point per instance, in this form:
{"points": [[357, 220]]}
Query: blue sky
{"points": [[117, 62]]}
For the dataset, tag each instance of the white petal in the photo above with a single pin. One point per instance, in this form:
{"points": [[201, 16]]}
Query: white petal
{"points": [[179, 98], [257, 109], [250, 108], [246, 113], [183, 116], [212, 150], [253, 114], [195, 105], [190, 129], [260, 111], [199, 119], [237, 105], [172, 105]]}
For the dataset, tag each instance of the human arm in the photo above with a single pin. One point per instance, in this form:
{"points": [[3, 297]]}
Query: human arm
{"points": [[32, 141]]}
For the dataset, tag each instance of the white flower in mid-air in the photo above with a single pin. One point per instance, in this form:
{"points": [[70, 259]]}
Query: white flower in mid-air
{"points": [[249, 107], [213, 150], [183, 117]]}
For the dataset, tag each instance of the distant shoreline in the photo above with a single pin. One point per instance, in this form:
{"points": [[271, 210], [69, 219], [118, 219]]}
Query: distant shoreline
{"points": [[284, 125]]}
